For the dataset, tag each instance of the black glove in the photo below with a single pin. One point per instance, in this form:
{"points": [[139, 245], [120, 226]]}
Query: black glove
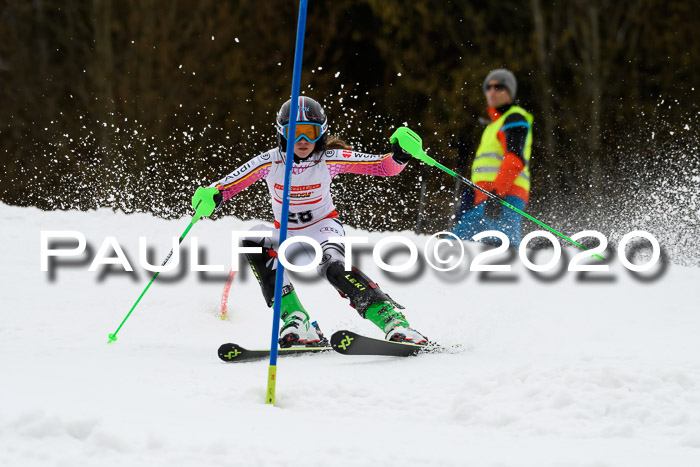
{"points": [[492, 209], [218, 199], [399, 154]]}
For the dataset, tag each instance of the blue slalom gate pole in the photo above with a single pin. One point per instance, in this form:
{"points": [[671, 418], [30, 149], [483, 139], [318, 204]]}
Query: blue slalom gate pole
{"points": [[296, 80]]}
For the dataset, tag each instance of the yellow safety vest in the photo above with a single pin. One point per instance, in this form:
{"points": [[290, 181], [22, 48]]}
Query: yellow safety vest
{"points": [[490, 153]]}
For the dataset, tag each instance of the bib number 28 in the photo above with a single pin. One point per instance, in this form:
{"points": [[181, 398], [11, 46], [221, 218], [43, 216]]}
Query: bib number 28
{"points": [[300, 217]]}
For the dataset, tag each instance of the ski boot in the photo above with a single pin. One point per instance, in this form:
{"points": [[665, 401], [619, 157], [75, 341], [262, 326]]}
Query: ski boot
{"points": [[297, 329], [393, 323]]}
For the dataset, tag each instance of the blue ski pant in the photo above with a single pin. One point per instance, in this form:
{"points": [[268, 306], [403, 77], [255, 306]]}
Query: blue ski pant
{"points": [[510, 222]]}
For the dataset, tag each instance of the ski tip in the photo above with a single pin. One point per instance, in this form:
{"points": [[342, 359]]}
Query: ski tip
{"points": [[351, 343]]}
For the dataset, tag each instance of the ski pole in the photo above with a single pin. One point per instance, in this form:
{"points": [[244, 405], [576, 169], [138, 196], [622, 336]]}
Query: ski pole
{"points": [[203, 207], [413, 144]]}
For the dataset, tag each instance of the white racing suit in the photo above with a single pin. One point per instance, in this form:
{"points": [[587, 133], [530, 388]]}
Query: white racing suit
{"points": [[311, 213]]}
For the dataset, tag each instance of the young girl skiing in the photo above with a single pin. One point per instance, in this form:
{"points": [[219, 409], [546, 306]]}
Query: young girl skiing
{"points": [[312, 214]]}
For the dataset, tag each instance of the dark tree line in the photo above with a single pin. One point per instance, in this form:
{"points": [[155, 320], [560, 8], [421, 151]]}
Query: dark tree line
{"points": [[134, 103]]}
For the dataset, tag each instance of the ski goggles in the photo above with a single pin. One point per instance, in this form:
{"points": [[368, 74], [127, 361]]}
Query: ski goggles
{"points": [[311, 132]]}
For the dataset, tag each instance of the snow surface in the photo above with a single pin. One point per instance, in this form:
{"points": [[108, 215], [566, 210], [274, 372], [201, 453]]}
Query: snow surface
{"points": [[556, 372]]}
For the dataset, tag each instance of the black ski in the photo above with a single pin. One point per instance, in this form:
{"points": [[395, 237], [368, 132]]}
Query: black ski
{"points": [[232, 353], [350, 343]]}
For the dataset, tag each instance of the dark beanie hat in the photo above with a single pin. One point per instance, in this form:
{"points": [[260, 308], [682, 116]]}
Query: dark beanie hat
{"points": [[505, 77]]}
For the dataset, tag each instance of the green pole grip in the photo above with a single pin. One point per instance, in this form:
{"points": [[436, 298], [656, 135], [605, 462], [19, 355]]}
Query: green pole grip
{"points": [[203, 202], [412, 144]]}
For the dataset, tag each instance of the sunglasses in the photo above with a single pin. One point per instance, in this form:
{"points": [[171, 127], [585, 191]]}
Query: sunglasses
{"points": [[311, 132], [497, 87]]}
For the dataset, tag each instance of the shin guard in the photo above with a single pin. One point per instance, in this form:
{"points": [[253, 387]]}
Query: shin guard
{"points": [[264, 266], [357, 287]]}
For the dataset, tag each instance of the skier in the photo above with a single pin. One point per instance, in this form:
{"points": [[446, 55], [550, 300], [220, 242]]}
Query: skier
{"points": [[501, 165], [313, 214]]}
